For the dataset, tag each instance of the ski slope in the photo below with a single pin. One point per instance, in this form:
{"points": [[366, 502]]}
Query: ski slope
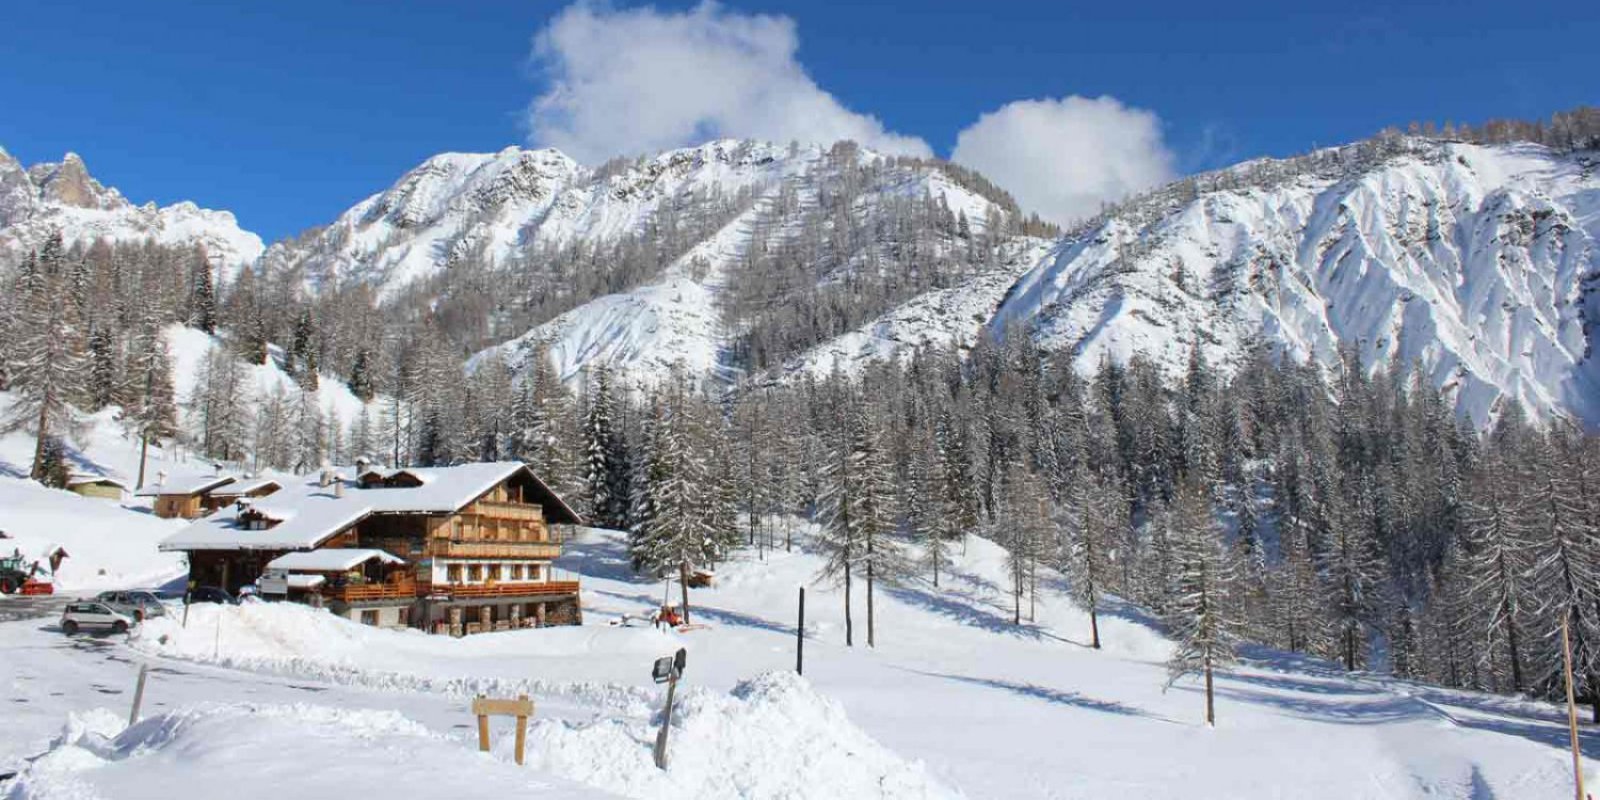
{"points": [[955, 700]]}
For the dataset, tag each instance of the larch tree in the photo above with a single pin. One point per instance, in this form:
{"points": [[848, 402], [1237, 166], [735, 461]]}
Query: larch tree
{"points": [[1088, 518], [1498, 557], [1200, 618], [47, 366], [152, 411]]}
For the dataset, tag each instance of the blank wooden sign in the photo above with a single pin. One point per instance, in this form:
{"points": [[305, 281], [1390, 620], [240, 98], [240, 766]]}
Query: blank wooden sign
{"points": [[521, 708]]}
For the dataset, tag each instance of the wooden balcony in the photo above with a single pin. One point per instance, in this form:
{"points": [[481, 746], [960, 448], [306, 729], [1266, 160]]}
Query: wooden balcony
{"points": [[363, 592], [502, 589], [505, 549], [502, 510]]}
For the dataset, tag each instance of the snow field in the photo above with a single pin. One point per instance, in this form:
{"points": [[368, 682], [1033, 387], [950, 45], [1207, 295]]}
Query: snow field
{"points": [[269, 752]]}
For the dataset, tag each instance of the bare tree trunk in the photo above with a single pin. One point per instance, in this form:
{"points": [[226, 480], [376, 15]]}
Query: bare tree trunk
{"points": [[872, 629], [1094, 627], [144, 455], [849, 629], [44, 432], [1211, 708], [683, 585]]}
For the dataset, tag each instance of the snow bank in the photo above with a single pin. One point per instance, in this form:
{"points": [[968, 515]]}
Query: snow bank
{"points": [[247, 747], [291, 639], [774, 736], [107, 546]]}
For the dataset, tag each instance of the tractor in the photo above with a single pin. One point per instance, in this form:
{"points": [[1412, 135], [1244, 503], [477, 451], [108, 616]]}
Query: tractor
{"points": [[15, 576]]}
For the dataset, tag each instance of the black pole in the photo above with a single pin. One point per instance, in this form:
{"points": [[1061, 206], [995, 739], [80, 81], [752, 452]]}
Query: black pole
{"points": [[800, 637]]}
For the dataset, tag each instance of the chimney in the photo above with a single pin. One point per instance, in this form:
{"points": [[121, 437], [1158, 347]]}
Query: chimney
{"points": [[161, 478], [338, 487]]}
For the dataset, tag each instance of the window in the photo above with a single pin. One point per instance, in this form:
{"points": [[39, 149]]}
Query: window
{"points": [[370, 617], [516, 572], [533, 572], [494, 572], [452, 573], [475, 573]]}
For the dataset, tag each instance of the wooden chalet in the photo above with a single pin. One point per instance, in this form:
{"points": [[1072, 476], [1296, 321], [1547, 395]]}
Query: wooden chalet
{"points": [[184, 498], [452, 550]]}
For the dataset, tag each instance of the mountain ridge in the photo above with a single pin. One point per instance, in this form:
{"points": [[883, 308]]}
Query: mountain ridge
{"points": [[1476, 262]]}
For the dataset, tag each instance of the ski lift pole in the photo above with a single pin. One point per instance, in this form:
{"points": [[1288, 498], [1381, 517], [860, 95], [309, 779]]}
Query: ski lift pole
{"points": [[667, 670]]}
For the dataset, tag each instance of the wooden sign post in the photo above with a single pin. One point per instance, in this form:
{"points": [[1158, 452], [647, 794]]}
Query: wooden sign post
{"points": [[138, 694], [521, 708]]}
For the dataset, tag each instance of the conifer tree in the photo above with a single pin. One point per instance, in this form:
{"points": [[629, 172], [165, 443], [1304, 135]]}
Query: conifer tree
{"points": [[1497, 563], [47, 367], [152, 412], [1206, 633]]}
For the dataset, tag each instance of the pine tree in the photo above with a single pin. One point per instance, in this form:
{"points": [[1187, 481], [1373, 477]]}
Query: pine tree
{"points": [[202, 300], [605, 457], [1498, 559], [674, 527], [857, 513], [1206, 634], [361, 378], [1089, 517], [152, 412], [105, 373], [47, 368]]}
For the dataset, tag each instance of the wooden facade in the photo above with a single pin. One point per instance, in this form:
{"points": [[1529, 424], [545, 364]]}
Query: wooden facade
{"points": [[484, 566]]}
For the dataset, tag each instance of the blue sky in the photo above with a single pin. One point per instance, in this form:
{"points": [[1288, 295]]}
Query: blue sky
{"points": [[288, 112]]}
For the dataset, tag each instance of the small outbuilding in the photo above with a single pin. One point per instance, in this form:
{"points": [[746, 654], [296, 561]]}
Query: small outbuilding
{"points": [[97, 486]]}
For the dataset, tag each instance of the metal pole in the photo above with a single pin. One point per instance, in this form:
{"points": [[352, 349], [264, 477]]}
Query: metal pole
{"points": [[1572, 705], [800, 637], [138, 694], [666, 725]]}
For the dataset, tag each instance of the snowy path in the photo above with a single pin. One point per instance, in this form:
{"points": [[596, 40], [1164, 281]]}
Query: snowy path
{"points": [[987, 709]]}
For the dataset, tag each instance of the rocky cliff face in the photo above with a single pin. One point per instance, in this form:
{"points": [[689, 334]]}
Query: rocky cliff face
{"points": [[38, 200]]}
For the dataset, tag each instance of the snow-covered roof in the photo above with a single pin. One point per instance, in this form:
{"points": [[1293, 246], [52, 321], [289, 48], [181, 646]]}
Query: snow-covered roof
{"points": [[304, 525], [244, 487], [306, 581], [333, 559], [198, 484], [80, 480], [308, 513]]}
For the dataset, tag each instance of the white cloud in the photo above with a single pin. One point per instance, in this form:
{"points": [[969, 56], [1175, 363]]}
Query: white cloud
{"points": [[1063, 158], [628, 81]]}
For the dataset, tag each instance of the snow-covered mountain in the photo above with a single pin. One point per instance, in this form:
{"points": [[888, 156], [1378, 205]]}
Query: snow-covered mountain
{"points": [[46, 197], [517, 203], [1477, 262]]}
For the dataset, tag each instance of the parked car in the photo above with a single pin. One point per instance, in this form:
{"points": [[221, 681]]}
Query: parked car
{"points": [[212, 594], [137, 603], [93, 614]]}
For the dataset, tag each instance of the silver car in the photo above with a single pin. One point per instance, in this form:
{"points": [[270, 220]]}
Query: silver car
{"points": [[85, 614], [136, 603]]}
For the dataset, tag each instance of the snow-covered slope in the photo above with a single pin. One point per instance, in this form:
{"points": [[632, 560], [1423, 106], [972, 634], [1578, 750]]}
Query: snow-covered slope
{"points": [[1477, 262], [46, 197], [943, 318], [439, 211], [955, 699]]}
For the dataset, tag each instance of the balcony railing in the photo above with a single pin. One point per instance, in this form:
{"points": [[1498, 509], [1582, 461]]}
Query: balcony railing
{"points": [[358, 592], [449, 549], [502, 589], [505, 510]]}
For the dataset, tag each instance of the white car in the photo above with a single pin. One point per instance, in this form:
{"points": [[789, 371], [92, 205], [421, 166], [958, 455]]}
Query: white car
{"points": [[90, 614]]}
